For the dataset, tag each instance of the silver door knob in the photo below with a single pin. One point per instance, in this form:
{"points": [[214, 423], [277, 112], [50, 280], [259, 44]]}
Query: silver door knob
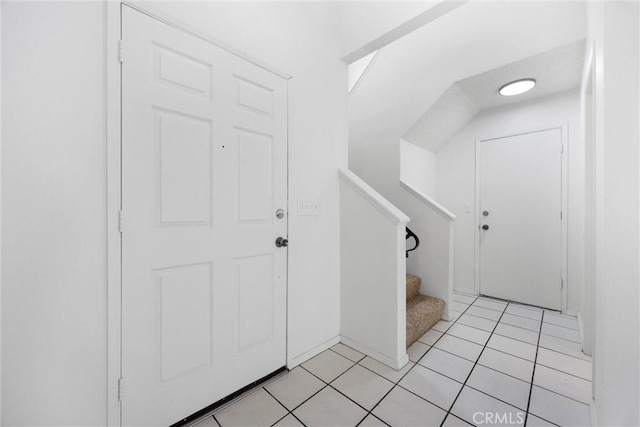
{"points": [[281, 242], [485, 227], [279, 214]]}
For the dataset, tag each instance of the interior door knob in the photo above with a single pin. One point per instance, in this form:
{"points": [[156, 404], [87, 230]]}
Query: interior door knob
{"points": [[281, 242], [485, 227]]}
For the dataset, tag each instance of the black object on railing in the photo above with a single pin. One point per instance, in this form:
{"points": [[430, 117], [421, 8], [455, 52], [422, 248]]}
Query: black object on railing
{"points": [[411, 234]]}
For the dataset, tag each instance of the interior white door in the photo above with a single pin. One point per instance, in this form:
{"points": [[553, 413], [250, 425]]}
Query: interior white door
{"points": [[520, 218], [204, 140]]}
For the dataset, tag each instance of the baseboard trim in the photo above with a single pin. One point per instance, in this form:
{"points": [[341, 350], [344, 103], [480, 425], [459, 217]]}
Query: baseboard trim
{"points": [[467, 292], [449, 316], [301, 358], [581, 330], [392, 363]]}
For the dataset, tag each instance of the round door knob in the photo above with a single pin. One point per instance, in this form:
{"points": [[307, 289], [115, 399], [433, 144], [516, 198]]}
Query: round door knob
{"points": [[281, 242], [485, 227]]}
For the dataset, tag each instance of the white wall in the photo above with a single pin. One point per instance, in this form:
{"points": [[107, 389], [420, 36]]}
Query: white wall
{"points": [[456, 177], [614, 28], [431, 261], [54, 204], [418, 168], [54, 190]]}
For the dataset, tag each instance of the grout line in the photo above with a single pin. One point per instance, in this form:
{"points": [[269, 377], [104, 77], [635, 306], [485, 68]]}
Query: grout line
{"points": [[562, 395], [439, 373], [425, 399], [513, 338], [216, 420], [563, 354], [281, 404], [299, 420], [471, 371], [380, 375], [523, 317], [383, 397], [333, 388], [354, 361], [280, 419], [560, 326], [481, 316], [564, 372], [544, 419], [488, 308], [560, 338], [503, 373], [377, 418], [348, 398], [453, 354], [533, 374], [567, 354], [455, 416], [310, 397], [487, 345], [326, 383], [416, 362], [497, 398]]}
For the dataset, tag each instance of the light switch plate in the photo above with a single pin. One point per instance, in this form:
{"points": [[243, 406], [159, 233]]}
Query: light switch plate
{"points": [[308, 208]]}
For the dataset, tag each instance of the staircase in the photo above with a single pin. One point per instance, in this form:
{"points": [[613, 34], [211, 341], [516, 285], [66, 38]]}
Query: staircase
{"points": [[422, 311]]}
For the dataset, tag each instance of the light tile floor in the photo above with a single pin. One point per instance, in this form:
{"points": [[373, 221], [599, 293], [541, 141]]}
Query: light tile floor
{"points": [[498, 364]]}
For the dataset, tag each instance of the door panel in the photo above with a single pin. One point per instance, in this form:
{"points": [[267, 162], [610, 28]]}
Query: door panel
{"points": [[255, 176], [203, 172], [521, 191]]}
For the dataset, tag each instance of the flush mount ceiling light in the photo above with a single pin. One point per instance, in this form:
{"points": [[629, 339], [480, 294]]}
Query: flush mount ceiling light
{"points": [[517, 87]]}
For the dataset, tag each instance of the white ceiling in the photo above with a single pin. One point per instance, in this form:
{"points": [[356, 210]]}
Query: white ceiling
{"points": [[411, 74], [442, 120], [557, 70]]}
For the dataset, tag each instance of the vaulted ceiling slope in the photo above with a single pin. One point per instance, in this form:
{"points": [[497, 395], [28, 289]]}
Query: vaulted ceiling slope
{"points": [[557, 70], [411, 74]]}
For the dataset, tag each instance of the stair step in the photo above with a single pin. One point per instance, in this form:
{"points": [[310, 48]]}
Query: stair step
{"points": [[422, 313], [413, 286]]}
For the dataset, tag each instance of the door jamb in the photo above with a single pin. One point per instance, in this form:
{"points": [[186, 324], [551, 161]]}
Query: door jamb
{"points": [[113, 95], [114, 193], [564, 128]]}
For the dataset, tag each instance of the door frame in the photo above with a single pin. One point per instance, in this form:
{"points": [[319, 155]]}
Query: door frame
{"points": [[564, 128], [113, 95]]}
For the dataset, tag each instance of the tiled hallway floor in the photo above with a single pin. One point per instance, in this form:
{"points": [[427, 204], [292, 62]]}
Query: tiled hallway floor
{"points": [[476, 370]]}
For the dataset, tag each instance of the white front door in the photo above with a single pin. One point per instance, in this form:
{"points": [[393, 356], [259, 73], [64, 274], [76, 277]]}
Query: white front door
{"points": [[520, 218], [204, 140]]}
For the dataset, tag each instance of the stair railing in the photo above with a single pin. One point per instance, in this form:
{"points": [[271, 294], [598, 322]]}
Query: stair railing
{"points": [[411, 234]]}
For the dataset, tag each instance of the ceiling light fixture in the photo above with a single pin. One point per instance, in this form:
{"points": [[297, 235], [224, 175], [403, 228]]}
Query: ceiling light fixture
{"points": [[517, 87]]}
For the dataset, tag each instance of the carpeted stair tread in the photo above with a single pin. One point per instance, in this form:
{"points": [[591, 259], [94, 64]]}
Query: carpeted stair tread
{"points": [[413, 286], [422, 313]]}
